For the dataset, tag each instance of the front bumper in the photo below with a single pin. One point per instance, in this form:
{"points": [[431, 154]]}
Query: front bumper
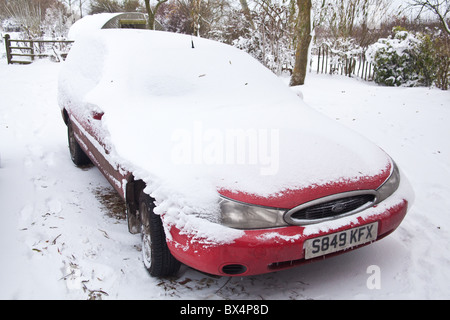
{"points": [[263, 251], [268, 250]]}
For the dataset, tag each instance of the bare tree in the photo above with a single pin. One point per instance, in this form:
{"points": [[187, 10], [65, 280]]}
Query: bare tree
{"points": [[80, 5], [247, 13], [98, 6], [132, 6], [441, 8], [68, 3], [343, 19], [27, 14]]}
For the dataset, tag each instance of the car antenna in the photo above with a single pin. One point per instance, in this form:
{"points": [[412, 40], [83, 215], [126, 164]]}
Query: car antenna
{"points": [[192, 42]]}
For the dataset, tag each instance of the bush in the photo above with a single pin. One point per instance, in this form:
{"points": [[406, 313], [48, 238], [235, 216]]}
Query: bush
{"points": [[393, 59], [442, 61], [407, 59]]}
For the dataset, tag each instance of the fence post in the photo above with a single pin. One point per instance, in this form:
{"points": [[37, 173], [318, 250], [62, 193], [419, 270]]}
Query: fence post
{"points": [[8, 48], [318, 62], [359, 66], [348, 64], [352, 66], [32, 49], [367, 67]]}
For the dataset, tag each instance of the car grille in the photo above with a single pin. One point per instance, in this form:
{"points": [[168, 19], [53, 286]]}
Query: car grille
{"points": [[332, 208]]}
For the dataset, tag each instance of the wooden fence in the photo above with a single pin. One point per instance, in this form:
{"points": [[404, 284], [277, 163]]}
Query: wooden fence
{"points": [[29, 49], [330, 62]]}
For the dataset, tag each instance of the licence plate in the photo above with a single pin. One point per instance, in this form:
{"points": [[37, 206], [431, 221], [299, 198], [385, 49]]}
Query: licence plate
{"points": [[342, 240]]}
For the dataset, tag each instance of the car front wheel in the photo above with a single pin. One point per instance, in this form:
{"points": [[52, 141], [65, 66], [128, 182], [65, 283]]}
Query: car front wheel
{"points": [[158, 260]]}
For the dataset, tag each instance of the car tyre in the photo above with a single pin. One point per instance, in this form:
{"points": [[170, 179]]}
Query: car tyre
{"points": [[77, 154], [156, 255]]}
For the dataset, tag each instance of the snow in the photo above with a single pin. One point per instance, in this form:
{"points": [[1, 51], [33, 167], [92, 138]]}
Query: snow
{"points": [[89, 24], [58, 240]]}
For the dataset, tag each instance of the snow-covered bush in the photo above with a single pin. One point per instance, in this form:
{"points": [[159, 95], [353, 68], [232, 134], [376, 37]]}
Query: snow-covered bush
{"points": [[10, 25], [408, 59], [278, 55], [271, 39], [56, 23], [394, 59]]}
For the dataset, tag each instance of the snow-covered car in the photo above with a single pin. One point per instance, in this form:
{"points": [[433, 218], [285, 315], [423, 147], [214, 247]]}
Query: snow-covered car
{"points": [[221, 165]]}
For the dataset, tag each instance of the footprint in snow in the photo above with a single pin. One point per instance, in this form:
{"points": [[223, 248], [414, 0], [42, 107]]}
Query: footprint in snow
{"points": [[54, 206]]}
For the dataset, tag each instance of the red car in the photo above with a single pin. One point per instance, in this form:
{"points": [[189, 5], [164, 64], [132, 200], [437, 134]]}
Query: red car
{"points": [[221, 165]]}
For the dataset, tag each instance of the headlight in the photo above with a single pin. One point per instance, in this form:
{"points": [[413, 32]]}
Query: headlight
{"points": [[389, 186], [239, 215]]}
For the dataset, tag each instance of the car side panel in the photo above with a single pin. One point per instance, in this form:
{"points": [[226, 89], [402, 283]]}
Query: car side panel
{"points": [[92, 143]]}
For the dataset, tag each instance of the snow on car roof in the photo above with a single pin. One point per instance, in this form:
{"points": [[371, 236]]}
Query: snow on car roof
{"points": [[88, 24], [190, 115]]}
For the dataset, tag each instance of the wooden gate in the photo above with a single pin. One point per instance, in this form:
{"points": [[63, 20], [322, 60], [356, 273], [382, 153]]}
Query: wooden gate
{"points": [[17, 50]]}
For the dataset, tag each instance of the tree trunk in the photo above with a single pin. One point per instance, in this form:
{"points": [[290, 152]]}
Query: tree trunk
{"points": [[151, 16], [303, 36], [247, 13], [152, 13], [196, 17]]}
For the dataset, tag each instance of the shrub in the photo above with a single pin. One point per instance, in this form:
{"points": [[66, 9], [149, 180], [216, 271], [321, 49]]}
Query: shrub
{"points": [[407, 59], [442, 61], [393, 59]]}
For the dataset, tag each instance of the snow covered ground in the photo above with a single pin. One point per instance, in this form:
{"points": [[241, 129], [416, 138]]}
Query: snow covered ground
{"points": [[62, 238]]}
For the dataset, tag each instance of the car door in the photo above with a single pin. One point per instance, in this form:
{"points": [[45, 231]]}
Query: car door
{"points": [[92, 138]]}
